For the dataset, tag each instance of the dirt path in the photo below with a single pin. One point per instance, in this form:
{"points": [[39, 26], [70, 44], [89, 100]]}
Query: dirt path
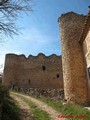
{"points": [[53, 113], [25, 111]]}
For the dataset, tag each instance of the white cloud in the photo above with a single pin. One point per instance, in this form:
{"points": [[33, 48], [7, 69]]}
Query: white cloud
{"points": [[32, 41], [34, 35]]}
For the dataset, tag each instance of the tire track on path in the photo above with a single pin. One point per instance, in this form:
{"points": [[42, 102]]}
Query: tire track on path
{"points": [[25, 111], [53, 113]]}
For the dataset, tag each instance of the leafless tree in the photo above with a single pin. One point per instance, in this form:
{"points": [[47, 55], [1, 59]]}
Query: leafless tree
{"points": [[10, 10]]}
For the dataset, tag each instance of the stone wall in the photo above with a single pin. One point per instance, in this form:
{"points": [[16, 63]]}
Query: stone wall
{"points": [[86, 48], [53, 94], [33, 72], [0, 79], [74, 66]]}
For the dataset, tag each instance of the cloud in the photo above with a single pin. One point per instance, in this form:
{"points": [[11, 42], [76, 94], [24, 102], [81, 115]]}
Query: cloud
{"points": [[36, 38], [32, 41], [34, 35]]}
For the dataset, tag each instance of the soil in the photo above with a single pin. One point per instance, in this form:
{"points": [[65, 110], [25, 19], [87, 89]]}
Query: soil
{"points": [[27, 112]]}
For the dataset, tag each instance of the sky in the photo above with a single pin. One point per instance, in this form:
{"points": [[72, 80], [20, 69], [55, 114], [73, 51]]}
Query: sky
{"points": [[39, 31]]}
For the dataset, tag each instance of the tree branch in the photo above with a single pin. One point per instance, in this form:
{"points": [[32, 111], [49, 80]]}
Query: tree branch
{"points": [[9, 10]]}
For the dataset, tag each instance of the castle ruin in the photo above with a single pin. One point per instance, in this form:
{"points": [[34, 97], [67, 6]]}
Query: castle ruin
{"points": [[75, 41], [51, 72], [33, 72]]}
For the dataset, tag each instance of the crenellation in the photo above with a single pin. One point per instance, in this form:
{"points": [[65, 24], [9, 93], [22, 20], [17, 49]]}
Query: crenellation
{"points": [[70, 71], [39, 71]]}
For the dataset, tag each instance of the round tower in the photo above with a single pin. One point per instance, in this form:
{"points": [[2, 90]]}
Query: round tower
{"points": [[74, 67]]}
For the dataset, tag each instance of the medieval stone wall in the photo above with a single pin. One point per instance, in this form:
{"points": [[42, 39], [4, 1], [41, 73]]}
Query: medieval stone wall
{"points": [[86, 49], [33, 72], [74, 67], [86, 46]]}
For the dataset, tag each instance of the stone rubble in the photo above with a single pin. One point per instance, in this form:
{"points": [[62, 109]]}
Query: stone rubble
{"points": [[53, 94]]}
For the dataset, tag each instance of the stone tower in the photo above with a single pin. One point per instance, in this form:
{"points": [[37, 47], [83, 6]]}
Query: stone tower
{"points": [[10, 71], [74, 67]]}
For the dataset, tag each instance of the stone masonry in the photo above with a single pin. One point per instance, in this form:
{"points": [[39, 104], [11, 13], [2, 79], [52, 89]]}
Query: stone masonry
{"points": [[73, 59], [38, 73], [33, 72]]}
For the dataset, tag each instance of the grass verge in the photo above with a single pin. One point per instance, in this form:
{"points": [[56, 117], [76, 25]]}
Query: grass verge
{"points": [[71, 111], [37, 113]]}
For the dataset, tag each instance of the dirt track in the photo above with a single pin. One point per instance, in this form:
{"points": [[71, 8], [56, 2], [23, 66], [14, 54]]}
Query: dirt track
{"points": [[53, 113]]}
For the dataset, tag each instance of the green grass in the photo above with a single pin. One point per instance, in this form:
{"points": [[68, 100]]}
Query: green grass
{"points": [[68, 109], [37, 112], [40, 114]]}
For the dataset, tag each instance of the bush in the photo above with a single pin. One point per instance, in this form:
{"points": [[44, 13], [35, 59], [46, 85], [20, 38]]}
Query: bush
{"points": [[4, 93], [8, 108]]}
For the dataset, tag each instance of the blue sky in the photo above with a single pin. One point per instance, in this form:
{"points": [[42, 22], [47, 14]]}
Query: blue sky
{"points": [[40, 29]]}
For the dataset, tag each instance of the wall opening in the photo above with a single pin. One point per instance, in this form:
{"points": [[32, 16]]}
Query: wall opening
{"points": [[29, 81], [43, 68], [57, 75]]}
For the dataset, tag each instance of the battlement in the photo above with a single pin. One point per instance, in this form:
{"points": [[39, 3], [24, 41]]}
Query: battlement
{"points": [[38, 71], [31, 56]]}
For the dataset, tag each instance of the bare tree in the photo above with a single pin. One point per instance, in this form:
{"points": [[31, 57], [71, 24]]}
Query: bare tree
{"points": [[9, 12]]}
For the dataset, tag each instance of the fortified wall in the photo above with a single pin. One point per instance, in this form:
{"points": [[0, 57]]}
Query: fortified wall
{"points": [[85, 42], [86, 48], [33, 72]]}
